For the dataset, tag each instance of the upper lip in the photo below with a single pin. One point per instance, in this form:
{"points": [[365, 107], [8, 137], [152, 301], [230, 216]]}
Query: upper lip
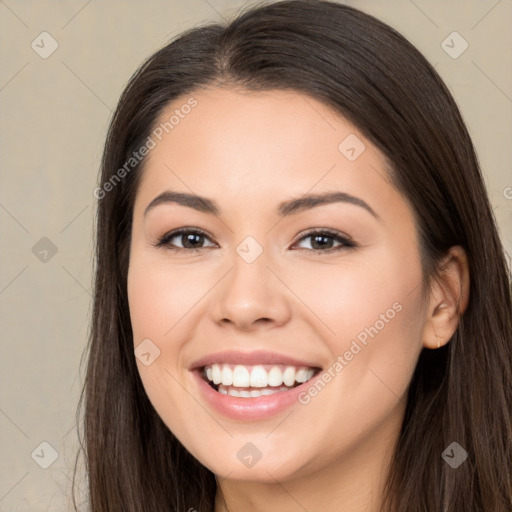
{"points": [[250, 359]]}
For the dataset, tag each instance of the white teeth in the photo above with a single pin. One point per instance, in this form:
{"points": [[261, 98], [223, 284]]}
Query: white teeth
{"points": [[227, 375], [259, 377], [275, 376], [289, 376], [245, 393], [217, 375], [308, 373], [241, 376], [301, 375]]}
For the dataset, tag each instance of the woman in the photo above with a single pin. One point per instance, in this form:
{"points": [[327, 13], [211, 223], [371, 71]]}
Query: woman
{"points": [[301, 300]]}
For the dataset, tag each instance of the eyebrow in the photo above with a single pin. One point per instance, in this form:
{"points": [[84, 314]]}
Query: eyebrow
{"points": [[285, 208]]}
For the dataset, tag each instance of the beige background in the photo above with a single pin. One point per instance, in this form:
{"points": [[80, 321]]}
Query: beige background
{"points": [[54, 118]]}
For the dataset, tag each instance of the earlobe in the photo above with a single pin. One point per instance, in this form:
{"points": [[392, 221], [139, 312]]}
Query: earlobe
{"points": [[449, 299], [440, 326]]}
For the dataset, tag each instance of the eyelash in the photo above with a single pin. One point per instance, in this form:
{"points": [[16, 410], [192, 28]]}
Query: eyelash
{"points": [[347, 242]]}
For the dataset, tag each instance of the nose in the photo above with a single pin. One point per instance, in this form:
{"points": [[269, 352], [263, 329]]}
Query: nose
{"points": [[251, 296]]}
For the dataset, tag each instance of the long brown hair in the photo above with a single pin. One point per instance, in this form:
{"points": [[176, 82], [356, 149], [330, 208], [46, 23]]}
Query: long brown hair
{"points": [[375, 78]]}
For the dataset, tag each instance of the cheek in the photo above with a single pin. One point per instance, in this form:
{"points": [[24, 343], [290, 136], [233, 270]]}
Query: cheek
{"points": [[161, 296], [371, 319], [347, 296], [369, 313], [161, 299]]}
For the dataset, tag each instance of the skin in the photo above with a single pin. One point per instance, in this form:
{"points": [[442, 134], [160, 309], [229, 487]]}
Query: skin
{"points": [[248, 152]]}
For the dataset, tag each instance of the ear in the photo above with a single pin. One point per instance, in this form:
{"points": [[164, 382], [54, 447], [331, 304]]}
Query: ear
{"points": [[449, 299]]}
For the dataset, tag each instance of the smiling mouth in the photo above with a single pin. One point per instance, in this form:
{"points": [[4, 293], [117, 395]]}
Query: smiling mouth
{"points": [[252, 381]]}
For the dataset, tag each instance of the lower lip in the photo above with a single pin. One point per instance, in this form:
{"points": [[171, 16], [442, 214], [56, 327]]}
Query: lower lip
{"points": [[252, 408]]}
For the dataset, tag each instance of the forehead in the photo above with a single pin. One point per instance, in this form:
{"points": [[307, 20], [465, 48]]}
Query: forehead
{"points": [[253, 148]]}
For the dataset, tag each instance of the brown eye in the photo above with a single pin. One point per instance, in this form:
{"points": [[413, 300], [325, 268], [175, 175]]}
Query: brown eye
{"points": [[190, 239], [322, 241]]}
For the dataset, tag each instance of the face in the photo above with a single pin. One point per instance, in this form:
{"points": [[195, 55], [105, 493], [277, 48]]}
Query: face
{"points": [[305, 314]]}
